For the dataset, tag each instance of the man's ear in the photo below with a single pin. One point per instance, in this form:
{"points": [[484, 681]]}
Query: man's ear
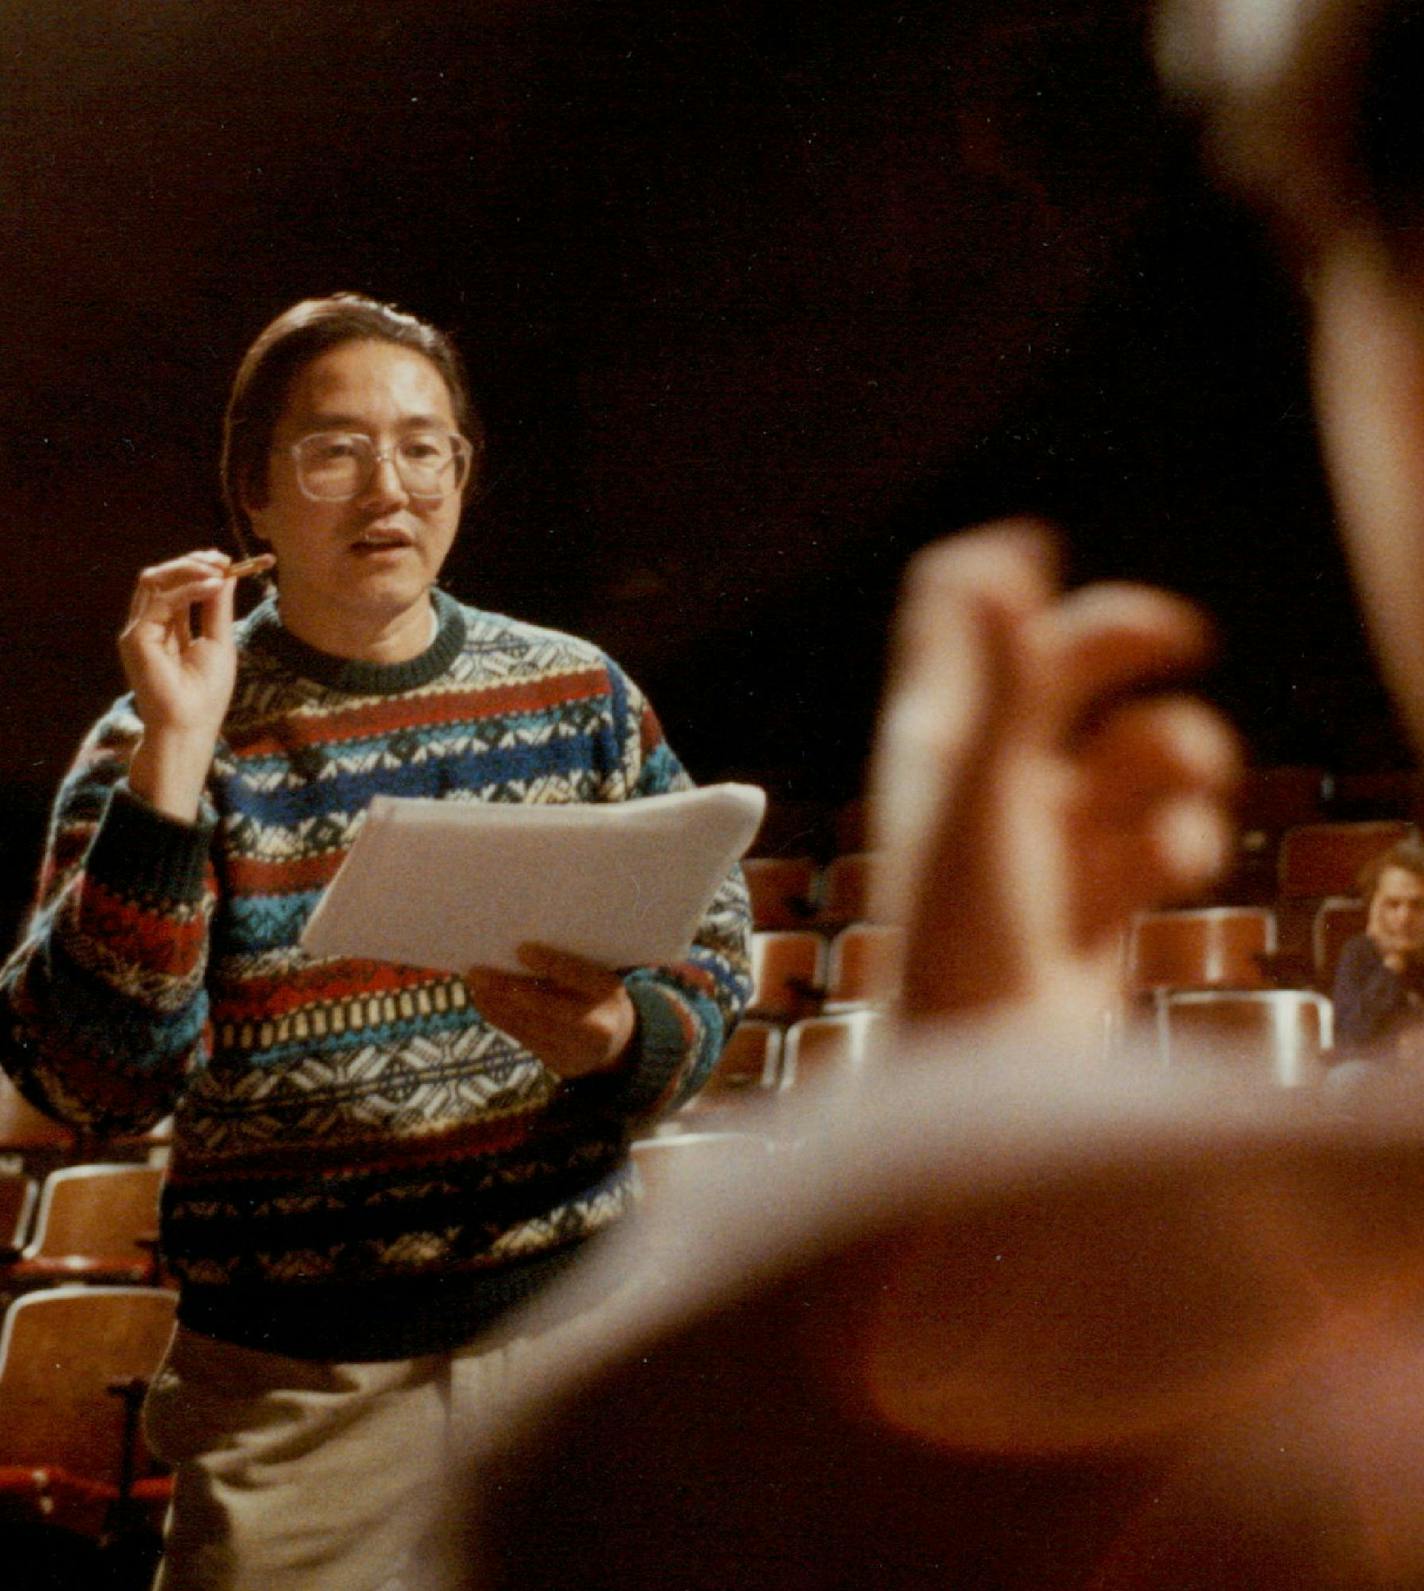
{"points": [[254, 508]]}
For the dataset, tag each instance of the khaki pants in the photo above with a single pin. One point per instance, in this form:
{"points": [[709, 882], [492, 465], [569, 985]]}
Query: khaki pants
{"points": [[294, 1475]]}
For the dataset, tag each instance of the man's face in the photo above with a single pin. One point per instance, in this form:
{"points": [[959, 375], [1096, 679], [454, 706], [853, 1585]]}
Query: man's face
{"points": [[353, 576], [1397, 912]]}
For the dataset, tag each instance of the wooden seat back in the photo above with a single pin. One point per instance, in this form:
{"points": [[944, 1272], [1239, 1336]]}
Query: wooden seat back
{"points": [[61, 1350]]}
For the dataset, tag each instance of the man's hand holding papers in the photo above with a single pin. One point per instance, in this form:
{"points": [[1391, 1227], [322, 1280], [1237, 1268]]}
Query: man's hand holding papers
{"points": [[573, 1014]]}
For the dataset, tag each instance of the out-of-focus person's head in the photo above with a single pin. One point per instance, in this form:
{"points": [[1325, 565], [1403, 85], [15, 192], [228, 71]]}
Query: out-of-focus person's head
{"points": [[1393, 884], [1313, 107], [1313, 110], [290, 343], [1406, 857]]}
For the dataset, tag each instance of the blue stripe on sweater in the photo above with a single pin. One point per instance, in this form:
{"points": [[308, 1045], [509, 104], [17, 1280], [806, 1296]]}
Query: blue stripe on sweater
{"points": [[347, 794], [432, 737], [268, 922]]}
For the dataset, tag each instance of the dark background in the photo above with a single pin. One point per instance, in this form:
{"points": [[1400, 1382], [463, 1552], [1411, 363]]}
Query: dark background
{"points": [[758, 297]]}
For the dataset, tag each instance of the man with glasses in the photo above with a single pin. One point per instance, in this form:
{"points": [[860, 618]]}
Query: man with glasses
{"points": [[372, 1165]]}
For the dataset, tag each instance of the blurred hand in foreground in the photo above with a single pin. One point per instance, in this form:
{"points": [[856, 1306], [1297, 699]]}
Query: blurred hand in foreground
{"points": [[1035, 783]]}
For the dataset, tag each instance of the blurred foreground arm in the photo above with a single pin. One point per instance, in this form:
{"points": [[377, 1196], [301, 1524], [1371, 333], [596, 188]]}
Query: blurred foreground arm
{"points": [[1030, 797]]}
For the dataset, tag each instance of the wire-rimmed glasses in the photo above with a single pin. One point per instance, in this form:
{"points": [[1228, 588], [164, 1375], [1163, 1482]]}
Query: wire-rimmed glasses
{"points": [[334, 466]]}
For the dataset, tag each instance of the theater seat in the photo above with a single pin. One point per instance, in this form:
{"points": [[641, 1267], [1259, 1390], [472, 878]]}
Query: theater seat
{"points": [[74, 1362], [96, 1223], [781, 890], [746, 1070], [834, 1048], [788, 974], [1275, 1035], [1211, 947], [17, 1205], [863, 966], [848, 888]]}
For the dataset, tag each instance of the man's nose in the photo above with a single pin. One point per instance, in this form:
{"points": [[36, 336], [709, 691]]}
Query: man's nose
{"points": [[385, 483]]}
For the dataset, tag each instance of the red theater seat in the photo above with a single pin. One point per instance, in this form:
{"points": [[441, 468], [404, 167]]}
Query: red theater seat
{"points": [[96, 1223], [74, 1362], [788, 973], [1211, 947]]}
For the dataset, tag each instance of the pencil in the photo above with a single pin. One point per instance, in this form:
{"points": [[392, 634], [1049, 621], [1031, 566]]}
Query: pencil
{"points": [[249, 566]]}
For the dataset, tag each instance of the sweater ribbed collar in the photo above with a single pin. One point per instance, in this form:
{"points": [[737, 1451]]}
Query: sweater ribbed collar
{"points": [[265, 632]]}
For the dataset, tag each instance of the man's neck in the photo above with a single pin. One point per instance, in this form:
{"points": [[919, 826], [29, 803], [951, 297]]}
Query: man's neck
{"points": [[405, 636]]}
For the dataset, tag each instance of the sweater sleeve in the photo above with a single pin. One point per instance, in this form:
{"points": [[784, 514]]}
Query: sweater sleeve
{"points": [[687, 1010], [103, 1001], [1367, 996]]}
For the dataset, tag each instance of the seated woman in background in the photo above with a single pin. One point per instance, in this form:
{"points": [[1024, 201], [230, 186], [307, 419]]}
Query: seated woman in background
{"points": [[1379, 983]]}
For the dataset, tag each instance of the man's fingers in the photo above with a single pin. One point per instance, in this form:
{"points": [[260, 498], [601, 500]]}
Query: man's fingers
{"points": [[563, 986], [1150, 808], [963, 605], [1103, 643], [218, 613], [571, 1029], [158, 600], [1006, 569], [167, 596], [1154, 748], [568, 972], [1170, 855]]}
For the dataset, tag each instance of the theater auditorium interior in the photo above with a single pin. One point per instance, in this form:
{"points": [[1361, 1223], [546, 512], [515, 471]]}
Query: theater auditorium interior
{"points": [[758, 299]]}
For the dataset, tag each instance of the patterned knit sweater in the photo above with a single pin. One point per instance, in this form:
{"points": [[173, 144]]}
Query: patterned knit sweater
{"points": [[362, 1166]]}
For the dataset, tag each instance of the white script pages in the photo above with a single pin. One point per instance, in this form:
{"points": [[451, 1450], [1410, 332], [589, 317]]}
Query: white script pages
{"points": [[453, 885]]}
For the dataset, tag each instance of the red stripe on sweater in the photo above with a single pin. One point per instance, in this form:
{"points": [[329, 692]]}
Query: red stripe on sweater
{"points": [[157, 941], [252, 875], [421, 711], [265, 999], [650, 731]]}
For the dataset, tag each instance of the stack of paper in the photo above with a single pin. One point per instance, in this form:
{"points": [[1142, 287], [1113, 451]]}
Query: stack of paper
{"points": [[454, 885]]}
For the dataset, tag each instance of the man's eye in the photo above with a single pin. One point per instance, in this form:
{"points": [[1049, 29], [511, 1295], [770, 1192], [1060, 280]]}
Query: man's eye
{"points": [[328, 449], [423, 449]]}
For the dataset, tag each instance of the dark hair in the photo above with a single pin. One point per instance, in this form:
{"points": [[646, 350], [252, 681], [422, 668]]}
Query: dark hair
{"points": [[1405, 854], [290, 343]]}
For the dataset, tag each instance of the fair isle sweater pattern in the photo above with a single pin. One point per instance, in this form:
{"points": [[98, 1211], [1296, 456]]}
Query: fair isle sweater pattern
{"points": [[336, 1121]]}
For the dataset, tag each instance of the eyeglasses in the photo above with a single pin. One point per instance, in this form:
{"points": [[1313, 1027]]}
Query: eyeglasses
{"points": [[334, 466]]}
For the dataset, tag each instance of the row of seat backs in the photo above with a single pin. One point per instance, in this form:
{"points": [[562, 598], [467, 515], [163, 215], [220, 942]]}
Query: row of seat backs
{"points": [[1311, 861], [1316, 865], [1280, 1036], [1237, 947], [799, 972], [1195, 957], [799, 891], [766, 1058]]}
